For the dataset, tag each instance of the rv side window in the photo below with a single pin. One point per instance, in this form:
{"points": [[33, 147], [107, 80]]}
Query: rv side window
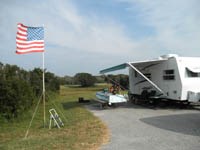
{"points": [[168, 75], [136, 74], [191, 74], [148, 75]]}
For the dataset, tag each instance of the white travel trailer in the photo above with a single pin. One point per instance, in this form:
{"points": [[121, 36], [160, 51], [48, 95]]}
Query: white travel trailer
{"points": [[168, 77]]}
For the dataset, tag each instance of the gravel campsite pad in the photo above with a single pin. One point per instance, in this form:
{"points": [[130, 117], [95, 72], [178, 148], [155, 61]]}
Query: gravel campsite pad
{"points": [[135, 127]]}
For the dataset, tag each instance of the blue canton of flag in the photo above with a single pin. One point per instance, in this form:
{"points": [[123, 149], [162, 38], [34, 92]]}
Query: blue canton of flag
{"points": [[35, 33]]}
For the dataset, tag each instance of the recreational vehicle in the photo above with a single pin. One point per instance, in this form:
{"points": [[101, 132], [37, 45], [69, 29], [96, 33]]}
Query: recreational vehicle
{"points": [[167, 77]]}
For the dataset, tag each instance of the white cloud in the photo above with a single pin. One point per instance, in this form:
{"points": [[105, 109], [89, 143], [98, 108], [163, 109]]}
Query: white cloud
{"points": [[88, 33], [176, 23]]}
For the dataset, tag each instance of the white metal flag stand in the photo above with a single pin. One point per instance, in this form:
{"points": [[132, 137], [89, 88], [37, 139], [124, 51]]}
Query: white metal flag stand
{"points": [[55, 117]]}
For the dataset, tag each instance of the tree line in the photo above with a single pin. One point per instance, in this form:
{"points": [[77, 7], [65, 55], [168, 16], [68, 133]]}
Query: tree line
{"points": [[86, 79]]}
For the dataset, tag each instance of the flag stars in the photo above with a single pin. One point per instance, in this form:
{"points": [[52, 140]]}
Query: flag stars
{"points": [[35, 33]]}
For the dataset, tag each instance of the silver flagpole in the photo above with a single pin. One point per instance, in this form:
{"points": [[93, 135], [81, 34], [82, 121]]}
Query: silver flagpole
{"points": [[43, 90]]}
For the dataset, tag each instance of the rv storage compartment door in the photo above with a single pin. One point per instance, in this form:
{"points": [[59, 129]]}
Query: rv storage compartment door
{"points": [[193, 96]]}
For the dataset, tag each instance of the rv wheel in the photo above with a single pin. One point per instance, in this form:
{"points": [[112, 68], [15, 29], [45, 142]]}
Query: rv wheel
{"points": [[136, 101], [144, 94], [112, 105], [130, 96]]}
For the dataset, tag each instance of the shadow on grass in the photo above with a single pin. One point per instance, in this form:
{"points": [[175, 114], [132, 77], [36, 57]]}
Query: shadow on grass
{"points": [[73, 86], [74, 104], [79, 86], [91, 88], [182, 123], [70, 105]]}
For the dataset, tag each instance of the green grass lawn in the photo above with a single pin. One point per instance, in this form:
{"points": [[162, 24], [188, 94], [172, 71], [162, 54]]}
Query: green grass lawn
{"points": [[82, 129]]}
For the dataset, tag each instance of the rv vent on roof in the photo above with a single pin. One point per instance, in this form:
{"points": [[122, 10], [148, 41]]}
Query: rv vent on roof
{"points": [[168, 56]]}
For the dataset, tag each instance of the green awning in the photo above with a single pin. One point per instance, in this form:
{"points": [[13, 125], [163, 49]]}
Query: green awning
{"points": [[118, 67]]}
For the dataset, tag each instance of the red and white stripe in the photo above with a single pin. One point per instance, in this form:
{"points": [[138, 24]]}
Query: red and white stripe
{"points": [[24, 46]]}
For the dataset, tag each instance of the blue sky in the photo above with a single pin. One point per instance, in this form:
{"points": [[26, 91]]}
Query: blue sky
{"points": [[90, 35]]}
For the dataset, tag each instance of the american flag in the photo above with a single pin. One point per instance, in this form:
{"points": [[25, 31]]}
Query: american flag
{"points": [[29, 39]]}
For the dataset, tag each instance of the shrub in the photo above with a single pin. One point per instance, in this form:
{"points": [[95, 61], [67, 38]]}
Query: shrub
{"points": [[15, 97], [19, 87]]}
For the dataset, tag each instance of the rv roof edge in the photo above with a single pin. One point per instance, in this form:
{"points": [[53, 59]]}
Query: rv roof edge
{"points": [[168, 56]]}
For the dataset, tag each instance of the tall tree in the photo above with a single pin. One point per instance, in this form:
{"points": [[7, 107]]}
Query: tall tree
{"points": [[84, 79]]}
